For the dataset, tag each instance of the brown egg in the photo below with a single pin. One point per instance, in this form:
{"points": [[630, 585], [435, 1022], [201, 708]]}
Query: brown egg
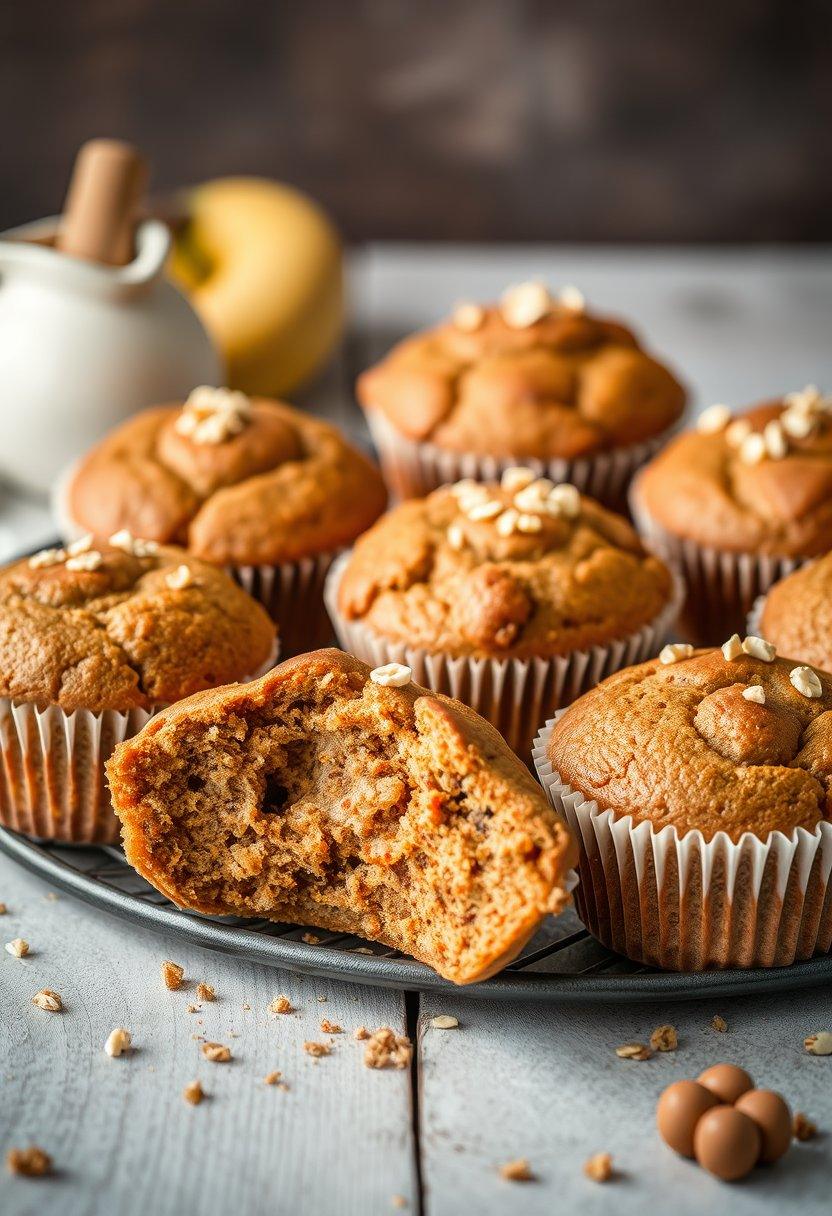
{"points": [[726, 1143], [773, 1118], [678, 1110], [726, 1081]]}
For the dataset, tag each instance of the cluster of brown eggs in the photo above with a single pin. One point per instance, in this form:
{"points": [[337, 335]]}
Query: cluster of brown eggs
{"points": [[722, 1121]]}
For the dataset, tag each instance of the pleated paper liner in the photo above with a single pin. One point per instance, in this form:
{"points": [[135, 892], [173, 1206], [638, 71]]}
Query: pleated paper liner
{"points": [[412, 468], [52, 779], [687, 904], [721, 586], [514, 695]]}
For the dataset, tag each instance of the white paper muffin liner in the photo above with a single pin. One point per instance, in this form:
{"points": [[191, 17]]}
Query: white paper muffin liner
{"points": [[514, 695], [52, 780], [721, 586], [687, 904], [412, 468]]}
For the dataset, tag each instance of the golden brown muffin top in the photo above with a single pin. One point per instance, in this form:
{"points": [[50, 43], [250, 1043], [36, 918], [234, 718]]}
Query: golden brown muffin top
{"points": [[123, 624], [531, 377], [234, 479], [708, 743], [757, 483], [511, 570], [797, 615]]}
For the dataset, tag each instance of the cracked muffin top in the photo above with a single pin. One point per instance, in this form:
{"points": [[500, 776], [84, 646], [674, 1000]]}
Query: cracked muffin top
{"points": [[741, 744], [231, 478], [797, 614], [760, 482], [534, 376], [518, 569], [124, 624]]}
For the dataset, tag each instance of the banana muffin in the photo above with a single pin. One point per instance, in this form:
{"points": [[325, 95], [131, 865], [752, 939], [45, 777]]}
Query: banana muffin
{"points": [[698, 784], [92, 639], [536, 379], [246, 483], [514, 596], [796, 615], [329, 795], [739, 502]]}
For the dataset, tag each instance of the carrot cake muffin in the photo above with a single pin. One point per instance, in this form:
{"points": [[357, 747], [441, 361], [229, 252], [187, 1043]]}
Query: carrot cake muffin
{"points": [[535, 378], [92, 639], [513, 596], [329, 795], [740, 501], [698, 784], [246, 483], [796, 615]]}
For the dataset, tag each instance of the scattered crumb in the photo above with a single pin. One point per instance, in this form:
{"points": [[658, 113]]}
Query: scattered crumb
{"points": [[517, 1171], [317, 1049], [193, 1093], [232, 1034], [172, 974], [330, 1027], [599, 1166], [246, 1007], [118, 1041], [204, 992], [281, 1004], [361, 1033], [663, 1038], [633, 1051], [192, 1008], [819, 1044], [217, 1053], [399, 1201], [719, 1023], [52, 896], [321, 1000], [386, 1049], [444, 1021], [803, 1128], [3, 909], [49, 1000], [272, 1078], [30, 1162], [311, 939], [18, 947], [362, 950]]}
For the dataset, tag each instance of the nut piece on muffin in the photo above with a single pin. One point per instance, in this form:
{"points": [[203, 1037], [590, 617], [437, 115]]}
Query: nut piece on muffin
{"points": [[533, 377], [111, 628], [701, 783], [796, 615], [324, 796], [243, 482], [739, 501]]}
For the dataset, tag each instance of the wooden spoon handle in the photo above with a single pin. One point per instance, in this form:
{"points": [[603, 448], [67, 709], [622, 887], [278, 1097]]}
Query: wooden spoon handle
{"points": [[99, 220]]}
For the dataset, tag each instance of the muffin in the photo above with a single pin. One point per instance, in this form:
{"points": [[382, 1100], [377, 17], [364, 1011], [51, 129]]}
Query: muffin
{"points": [[697, 785], [534, 380], [514, 597], [253, 485], [739, 503], [92, 640], [329, 795], [796, 615]]}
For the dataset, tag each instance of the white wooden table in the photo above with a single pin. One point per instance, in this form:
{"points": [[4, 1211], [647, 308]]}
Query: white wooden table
{"points": [[537, 1082]]}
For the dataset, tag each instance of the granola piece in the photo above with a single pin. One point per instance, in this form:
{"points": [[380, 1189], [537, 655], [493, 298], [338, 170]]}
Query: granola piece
{"points": [[386, 1049], [664, 1038], [172, 975], [633, 1051], [217, 1053], [204, 992], [317, 1049], [517, 1171], [31, 1162], [48, 1000], [193, 1093], [281, 1004], [719, 1023]]}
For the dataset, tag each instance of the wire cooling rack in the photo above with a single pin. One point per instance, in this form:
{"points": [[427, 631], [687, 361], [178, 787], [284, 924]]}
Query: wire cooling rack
{"points": [[563, 963]]}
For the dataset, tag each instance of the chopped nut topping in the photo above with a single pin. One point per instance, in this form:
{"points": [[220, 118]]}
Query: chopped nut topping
{"points": [[534, 497], [753, 449], [673, 652], [803, 1128], [317, 1049], [507, 522], [312, 939], [719, 1023], [360, 1033], [456, 537], [281, 1004], [759, 648], [47, 557], [806, 681], [330, 1027], [633, 1051], [18, 947], [517, 1171], [819, 1044], [516, 478], [466, 486], [565, 500], [732, 649], [193, 1093], [737, 432], [386, 1049], [525, 304], [572, 299], [599, 1167], [213, 415], [444, 1021], [204, 992], [180, 578], [133, 545], [468, 316], [172, 974], [664, 1038], [484, 510], [775, 440], [713, 419], [85, 561], [30, 1162], [797, 425], [217, 1053], [82, 545], [48, 1000], [529, 523], [118, 1041], [756, 693], [391, 675], [808, 400]]}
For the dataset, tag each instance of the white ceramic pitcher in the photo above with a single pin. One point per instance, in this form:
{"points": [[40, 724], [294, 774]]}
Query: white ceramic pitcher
{"points": [[84, 345]]}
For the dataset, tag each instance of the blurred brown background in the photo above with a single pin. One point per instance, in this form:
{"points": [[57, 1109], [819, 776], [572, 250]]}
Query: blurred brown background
{"points": [[645, 120]]}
